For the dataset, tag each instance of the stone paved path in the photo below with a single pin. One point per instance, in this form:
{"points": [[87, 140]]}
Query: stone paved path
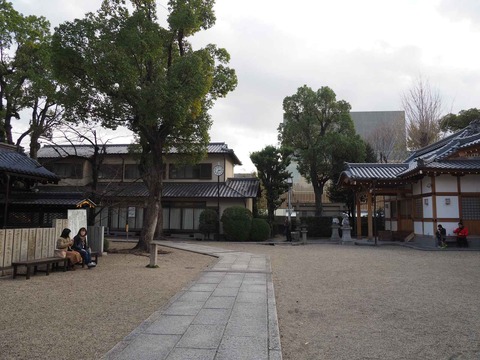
{"points": [[228, 313]]}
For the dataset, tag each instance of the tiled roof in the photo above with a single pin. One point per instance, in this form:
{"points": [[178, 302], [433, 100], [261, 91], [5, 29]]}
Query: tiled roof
{"points": [[232, 188], [362, 171], [20, 164], [433, 158], [56, 151]]}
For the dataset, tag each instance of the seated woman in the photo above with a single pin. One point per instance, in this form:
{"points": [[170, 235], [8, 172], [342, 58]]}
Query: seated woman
{"points": [[63, 249], [80, 245]]}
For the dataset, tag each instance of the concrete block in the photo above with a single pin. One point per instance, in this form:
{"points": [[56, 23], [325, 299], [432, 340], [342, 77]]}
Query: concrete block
{"points": [[202, 337], [194, 296], [170, 325], [184, 308], [212, 317], [148, 347], [225, 292], [218, 302], [241, 348], [191, 354]]}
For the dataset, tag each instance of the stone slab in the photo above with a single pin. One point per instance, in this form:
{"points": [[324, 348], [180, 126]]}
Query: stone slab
{"points": [[202, 337]]}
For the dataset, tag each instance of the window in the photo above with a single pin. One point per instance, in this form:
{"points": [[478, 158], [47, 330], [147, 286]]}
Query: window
{"points": [[418, 208], [132, 172], [182, 216], [470, 208], [199, 171], [110, 171], [67, 170]]}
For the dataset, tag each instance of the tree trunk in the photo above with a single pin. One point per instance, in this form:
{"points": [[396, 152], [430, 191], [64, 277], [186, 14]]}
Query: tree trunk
{"points": [[159, 227], [150, 223], [152, 174]]}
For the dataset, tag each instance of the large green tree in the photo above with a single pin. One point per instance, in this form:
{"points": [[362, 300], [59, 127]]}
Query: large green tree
{"points": [[271, 164], [120, 67], [453, 122], [23, 42], [321, 132]]}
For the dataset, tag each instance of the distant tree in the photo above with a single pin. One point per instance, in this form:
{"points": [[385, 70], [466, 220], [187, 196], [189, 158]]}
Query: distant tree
{"points": [[423, 110], [343, 195], [387, 139], [271, 164], [321, 132], [122, 68], [452, 122], [22, 50]]}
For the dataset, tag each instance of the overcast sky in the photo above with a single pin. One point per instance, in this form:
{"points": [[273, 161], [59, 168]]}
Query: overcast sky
{"points": [[369, 52]]}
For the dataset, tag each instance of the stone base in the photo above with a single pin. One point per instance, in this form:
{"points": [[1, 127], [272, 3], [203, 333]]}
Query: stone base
{"points": [[346, 236]]}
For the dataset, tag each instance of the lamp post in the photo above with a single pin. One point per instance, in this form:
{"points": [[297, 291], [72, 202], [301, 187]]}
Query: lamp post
{"points": [[218, 170]]}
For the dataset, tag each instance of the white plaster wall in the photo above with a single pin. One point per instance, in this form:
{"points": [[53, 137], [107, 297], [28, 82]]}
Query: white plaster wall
{"points": [[427, 208], [388, 225], [394, 226], [470, 183], [447, 211], [418, 227], [446, 183], [428, 228], [449, 227], [416, 188], [426, 185]]}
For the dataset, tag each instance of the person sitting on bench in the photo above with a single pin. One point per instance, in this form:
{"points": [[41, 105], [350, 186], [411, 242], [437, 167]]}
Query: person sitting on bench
{"points": [[462, 233], [80, 245], [64, 249]]}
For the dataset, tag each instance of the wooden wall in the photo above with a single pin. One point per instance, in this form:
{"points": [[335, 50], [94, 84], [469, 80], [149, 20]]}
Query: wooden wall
{"points": [[27, 244]]}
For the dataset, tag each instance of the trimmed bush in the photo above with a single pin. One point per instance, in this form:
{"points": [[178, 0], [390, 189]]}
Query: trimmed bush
{"points": [[237, 223], [208, 221], [260, 230]]}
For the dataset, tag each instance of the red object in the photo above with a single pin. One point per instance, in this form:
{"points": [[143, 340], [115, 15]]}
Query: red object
{"points": [[461, 231]]}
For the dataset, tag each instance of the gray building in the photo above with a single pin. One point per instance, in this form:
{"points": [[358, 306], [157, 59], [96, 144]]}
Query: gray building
{"points": [[385, 131]]}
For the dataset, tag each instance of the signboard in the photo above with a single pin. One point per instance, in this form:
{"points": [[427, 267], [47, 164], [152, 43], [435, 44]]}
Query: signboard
{"points": [[131, 211]]}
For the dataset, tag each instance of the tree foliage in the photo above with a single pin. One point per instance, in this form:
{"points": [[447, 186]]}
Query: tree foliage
{"points": [[452, 122], [271, 164], [321, 132], [24, 56], [208, 222], [423, 110], [237, 223], [120, 67]]}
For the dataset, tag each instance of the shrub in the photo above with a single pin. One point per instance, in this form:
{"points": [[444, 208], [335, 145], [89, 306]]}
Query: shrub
{"points": [[237, 222], [208, 222], [260, 230]]}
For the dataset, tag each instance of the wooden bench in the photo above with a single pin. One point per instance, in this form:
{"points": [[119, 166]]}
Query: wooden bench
{"points": [[36, 262]]}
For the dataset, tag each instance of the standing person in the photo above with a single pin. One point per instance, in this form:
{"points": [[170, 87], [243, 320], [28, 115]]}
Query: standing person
{"points": [[64, 244], [288, 230], [80, 245], [441, 235], [462, 233]]}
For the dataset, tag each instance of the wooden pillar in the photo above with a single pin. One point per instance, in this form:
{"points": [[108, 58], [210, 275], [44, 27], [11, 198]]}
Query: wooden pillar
{"points": [[369, 216], [359, 216]]}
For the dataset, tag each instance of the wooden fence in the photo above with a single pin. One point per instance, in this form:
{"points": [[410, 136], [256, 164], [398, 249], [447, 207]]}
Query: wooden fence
{"points": [[28, 244]]}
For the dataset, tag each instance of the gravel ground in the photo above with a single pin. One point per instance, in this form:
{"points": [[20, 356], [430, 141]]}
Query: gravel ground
{"points": [[358, 302], [82, 314], [333, 302]]}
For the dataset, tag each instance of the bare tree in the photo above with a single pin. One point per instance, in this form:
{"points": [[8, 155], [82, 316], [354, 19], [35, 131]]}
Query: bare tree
{"points": [[388, 140], [423, 110]]}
